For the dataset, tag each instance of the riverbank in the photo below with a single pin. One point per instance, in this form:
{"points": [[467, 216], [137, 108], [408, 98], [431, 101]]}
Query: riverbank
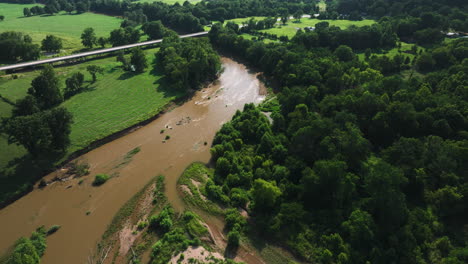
{"points": [[68, 206]]}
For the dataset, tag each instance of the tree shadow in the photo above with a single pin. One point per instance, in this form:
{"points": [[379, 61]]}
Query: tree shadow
{"points": [[126, 75], [231, 251], [21, 173]]}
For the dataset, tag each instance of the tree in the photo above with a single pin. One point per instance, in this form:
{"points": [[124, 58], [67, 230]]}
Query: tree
{"points": [[16, 45], [138, 60], [284, 14], [265, 194], [94, 70], [344, 53], [50, 9], [40, 133], [24, 253], [123, 36], [82, 7], [74, 84], [298, 15], [154, 29], [59, 121], [26, 106], [360, 229], [88, 37], [26, 12], [69, 8], [51, 43], [124, 60], [233, 238], [45, 88], [2, 17], [102, 41]]}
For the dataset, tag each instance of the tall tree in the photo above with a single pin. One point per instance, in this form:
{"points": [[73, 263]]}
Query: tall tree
{"points": [[74, 84], [45, 88], [51, 43], [138, 60], [88, 37]]}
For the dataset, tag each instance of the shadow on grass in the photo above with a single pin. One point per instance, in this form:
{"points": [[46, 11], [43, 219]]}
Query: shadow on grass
{"points": [[126, 75], [20, 174]]}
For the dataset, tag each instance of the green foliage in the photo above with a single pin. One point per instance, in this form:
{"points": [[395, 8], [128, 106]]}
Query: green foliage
{"points": [[163, 221], [29, 250], [16, 45], [74, 84], [88, 37], [193, 224], [45, 88], [138, 60], [100, 179], [154, 29], [94, 70], [51, 44], [41, 132], [172, 242], [198, 172], [233, 238], [265, 194], [364, 161], [188, 63]]}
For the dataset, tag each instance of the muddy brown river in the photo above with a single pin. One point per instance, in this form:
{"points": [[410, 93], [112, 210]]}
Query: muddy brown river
{"points": [[188, 125]]}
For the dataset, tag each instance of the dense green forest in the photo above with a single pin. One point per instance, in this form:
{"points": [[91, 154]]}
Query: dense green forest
{"points": [[360, 164]]}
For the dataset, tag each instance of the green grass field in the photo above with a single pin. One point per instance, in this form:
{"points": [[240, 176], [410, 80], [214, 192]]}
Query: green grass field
{"points": [[68, 27], [292, 25], [248, 36], [116, 101], [405, 47]]}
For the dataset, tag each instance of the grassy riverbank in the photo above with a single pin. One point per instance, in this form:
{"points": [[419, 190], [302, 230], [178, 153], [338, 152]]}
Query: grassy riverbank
{"points": [[117, 100], [63, 25]]}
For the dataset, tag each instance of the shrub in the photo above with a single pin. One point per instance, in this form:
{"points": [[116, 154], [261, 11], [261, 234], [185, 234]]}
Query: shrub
{"points": [[100, 179], [233, 238], [163, 220], [168, 137], [142, 225], [79, 169]]}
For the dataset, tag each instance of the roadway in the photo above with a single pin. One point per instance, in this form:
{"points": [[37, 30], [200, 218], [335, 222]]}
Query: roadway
{"points": [[94, 52]]}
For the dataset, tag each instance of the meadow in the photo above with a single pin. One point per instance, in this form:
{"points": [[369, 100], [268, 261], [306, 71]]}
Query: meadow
{"points": [[117, 100], [291, 27], [66, 26]]}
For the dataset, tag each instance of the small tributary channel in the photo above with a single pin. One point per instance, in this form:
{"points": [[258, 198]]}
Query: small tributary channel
{"points": [[84, 211]]}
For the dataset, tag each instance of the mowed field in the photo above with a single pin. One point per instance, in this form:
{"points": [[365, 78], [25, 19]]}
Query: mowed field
{"points": [[293, 25], [68, 27], [116, 101]]}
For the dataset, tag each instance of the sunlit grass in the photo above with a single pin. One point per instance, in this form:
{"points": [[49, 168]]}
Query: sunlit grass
{"points": [[67, 27], [293, 25]]}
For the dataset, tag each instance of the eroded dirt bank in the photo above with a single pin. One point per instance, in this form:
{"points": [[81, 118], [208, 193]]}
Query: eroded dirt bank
{"points": [[84, 211]]}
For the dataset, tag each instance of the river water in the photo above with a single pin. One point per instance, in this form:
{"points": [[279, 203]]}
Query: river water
{"points": [[84, 211]]}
